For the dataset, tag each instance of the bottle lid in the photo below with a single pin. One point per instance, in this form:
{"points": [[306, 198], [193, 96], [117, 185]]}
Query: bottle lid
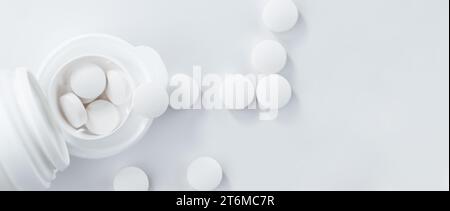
{"points": [[32, 146]]}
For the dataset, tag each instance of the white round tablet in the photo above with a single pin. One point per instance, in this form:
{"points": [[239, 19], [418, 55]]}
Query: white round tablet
{"points": [[280, 15], [88, 81], [273, 92], [73, 109], [238, 92], [269, 57], [150, 100], [103, 117], [131, 179], [118, 89], [204, 174]]}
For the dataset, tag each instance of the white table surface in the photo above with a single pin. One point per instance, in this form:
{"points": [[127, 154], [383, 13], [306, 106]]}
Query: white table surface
{"points": [[371, 83]]}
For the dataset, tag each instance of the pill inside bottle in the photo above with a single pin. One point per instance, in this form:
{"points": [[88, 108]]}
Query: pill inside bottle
{"points": [[118, 90], [94, 95], [73, 109], [88, 81], [103, 117]]}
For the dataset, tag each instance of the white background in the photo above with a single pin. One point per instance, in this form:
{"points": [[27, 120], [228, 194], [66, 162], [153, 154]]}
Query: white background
{"points": [[371, 83]]}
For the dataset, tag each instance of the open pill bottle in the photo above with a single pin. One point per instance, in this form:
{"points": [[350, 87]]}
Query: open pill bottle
{"points": [[36, 139]]}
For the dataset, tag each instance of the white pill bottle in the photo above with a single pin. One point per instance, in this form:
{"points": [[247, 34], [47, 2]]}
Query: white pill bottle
{"points": [[35, 139]]}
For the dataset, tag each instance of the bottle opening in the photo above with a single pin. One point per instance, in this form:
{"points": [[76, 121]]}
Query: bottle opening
{"points": [[96, 117]]}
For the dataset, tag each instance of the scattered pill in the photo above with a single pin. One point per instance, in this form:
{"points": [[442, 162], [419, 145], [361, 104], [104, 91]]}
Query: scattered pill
{"points": [[269, 57], [118, 89], [239, 92], [88, 81], [73, 109], [273, 92], [280, 15], [185, 93], [204, 174], [103, 117], [150, 100], [131, 179]]}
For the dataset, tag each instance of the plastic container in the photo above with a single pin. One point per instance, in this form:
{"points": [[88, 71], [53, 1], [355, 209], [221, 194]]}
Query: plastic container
{"points": [[36, 140]]}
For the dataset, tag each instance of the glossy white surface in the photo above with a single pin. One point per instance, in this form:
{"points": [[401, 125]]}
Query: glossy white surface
{"points": [[370, 80]]}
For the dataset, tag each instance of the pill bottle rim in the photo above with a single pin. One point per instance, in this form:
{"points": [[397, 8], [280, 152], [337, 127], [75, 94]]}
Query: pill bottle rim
{"points": [[145, 66]]}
